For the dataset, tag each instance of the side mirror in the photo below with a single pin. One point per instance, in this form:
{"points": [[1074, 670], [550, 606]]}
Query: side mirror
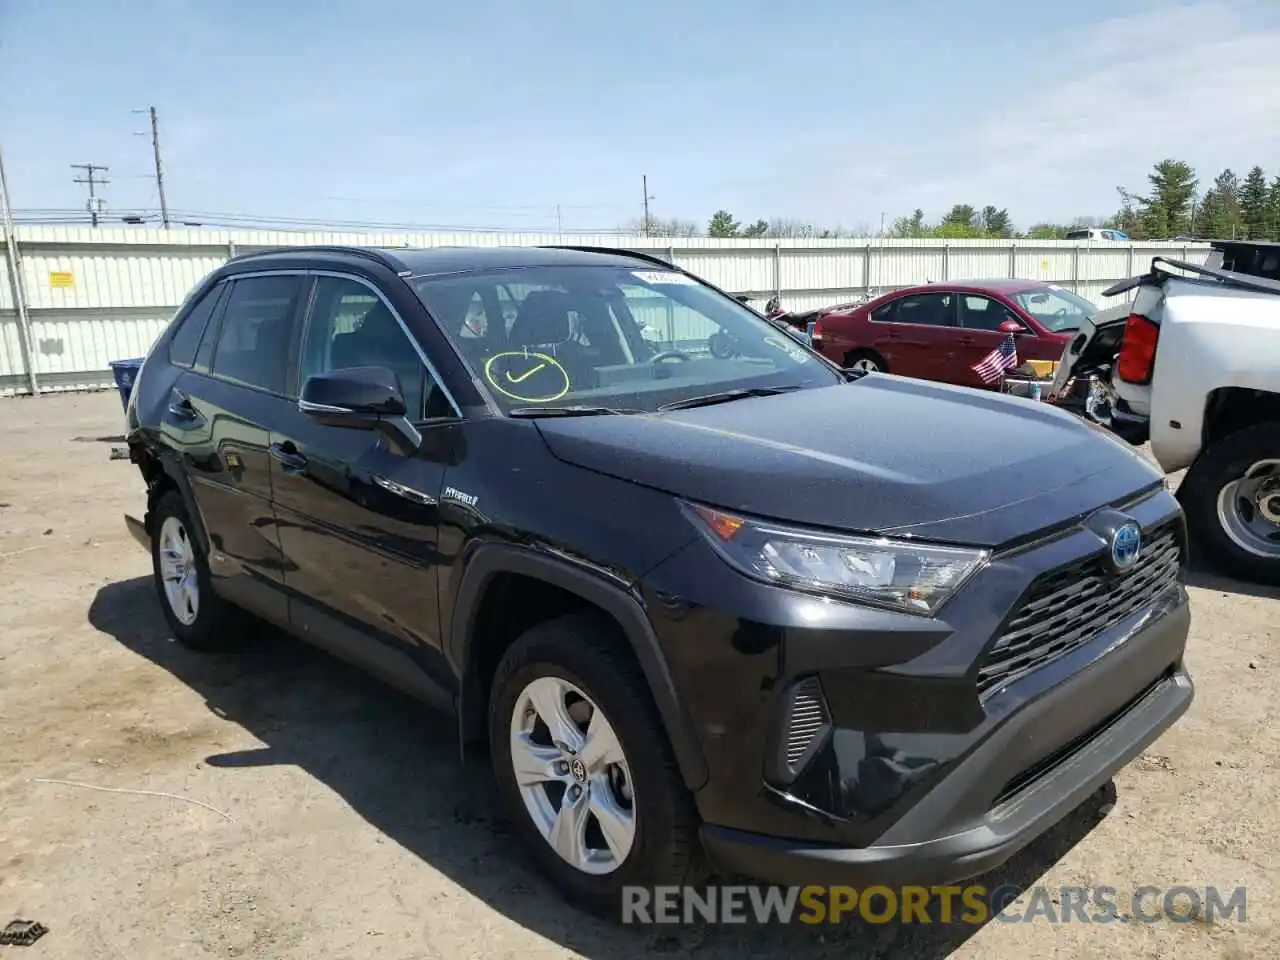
{"points": [[1012, 326], [361, 398]]}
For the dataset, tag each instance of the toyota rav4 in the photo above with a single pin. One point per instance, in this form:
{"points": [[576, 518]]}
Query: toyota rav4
{"points": [[713, 602]]}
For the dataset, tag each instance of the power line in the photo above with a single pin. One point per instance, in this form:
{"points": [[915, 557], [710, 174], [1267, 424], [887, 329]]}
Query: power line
{"points": [[248, 221], [95, 204]]}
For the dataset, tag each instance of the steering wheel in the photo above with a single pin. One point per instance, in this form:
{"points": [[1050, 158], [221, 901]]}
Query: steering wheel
{"points": [[669, 355]]}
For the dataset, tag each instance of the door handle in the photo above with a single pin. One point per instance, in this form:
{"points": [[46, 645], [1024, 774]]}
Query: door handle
{"points": [[965, 341], [287, 455]]}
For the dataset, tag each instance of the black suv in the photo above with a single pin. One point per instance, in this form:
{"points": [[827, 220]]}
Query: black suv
{"points": [[712, 602]]}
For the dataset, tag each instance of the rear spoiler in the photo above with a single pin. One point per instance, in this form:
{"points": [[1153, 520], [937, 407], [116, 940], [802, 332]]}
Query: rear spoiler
{"points": [[1159, 274]]}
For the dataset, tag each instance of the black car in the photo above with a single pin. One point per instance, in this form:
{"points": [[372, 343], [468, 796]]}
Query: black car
{"points": [[737, 610]]}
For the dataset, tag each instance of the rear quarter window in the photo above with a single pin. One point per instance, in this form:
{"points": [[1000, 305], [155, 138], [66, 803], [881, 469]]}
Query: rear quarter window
{"points": [[884, 314], [191, 327]]}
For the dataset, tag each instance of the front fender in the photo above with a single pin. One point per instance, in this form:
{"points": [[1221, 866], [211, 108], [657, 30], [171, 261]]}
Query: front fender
{"points": [[614, 597]]}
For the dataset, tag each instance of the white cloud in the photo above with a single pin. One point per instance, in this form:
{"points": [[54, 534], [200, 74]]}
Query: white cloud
{"points": [[1199, 83]]}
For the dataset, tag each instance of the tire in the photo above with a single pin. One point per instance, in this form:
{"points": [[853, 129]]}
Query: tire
{"points": [[584, 654], [1210, 480], [867, 360], [204, 622]]}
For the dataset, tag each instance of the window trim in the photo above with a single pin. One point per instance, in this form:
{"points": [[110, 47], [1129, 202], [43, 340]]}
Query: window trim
{"points": [[222, 319], [404, 327]]}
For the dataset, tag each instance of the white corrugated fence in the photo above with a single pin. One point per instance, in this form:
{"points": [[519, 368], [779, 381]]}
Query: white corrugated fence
{"points": [[93, 295]]}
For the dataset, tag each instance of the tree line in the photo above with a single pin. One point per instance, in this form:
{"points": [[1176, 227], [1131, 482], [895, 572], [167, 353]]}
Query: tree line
{"points": [[1172, 206]]}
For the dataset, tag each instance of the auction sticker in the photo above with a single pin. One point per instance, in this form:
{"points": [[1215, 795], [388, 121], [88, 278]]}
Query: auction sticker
{"points": [[664, 278], [527, 376]]}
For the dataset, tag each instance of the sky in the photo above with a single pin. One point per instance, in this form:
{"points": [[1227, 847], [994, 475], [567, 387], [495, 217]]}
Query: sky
{"points": [[538, 114]]}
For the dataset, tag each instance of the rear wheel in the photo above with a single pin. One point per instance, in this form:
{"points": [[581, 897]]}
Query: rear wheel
{"points": [[584, 767], [866, 361], [1231, 496], [198, 618]]}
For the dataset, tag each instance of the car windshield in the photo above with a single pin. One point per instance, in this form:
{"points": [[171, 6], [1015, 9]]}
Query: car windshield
{"points": [[584, 337], [1056, 309]]}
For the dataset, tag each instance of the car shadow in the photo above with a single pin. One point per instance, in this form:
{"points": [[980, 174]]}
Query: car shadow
{"points": [[384, 754], [1200, 574]]}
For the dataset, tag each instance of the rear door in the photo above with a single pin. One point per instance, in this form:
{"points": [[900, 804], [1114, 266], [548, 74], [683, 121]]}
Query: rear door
{"points": [[358, 520], [916, 334], [219, 419]]}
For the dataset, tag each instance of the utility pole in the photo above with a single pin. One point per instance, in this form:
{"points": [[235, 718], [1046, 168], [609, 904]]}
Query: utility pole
{"points": [[95, 202], [644, 181], [25, 342], [155, 148]]}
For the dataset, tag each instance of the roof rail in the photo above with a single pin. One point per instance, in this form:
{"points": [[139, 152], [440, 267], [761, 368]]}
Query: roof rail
{"points": [[369, 253], [586, 248]]}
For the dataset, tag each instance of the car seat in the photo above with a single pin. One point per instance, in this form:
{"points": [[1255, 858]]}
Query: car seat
{"points": [[543, 324]]}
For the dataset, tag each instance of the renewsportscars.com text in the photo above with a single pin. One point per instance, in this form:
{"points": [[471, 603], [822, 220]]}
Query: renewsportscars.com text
{"points": [[972, 904]]}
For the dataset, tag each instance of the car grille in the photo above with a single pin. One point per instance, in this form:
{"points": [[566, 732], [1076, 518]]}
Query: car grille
{"points": [[1070, 606]]}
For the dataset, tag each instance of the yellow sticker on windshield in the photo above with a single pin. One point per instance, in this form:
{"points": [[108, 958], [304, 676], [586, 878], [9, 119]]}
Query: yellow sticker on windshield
{"points": [[527, 376]]}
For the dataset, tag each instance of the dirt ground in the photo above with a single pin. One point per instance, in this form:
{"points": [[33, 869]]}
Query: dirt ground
{"points": [[342, 824]]}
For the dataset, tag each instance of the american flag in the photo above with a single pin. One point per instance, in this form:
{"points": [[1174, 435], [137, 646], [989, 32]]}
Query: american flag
{"points": [[1004, 357]]}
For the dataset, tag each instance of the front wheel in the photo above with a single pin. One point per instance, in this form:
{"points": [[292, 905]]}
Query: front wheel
{"points": [[584, 767], [1231, 496]]}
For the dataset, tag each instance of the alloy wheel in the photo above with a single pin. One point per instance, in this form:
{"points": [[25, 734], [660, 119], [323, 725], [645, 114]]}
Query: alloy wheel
{"points": [[572, 775], [178, 571]]}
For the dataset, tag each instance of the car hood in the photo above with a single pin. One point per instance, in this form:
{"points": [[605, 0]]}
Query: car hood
{"points": [[885, 454]]}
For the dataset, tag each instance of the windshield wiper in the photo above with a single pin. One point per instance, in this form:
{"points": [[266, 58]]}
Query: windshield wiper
{"points": [[576, 410], [725, 396]]}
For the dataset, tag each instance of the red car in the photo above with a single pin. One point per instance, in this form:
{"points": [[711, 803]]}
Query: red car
{"points": [[939, 331]]}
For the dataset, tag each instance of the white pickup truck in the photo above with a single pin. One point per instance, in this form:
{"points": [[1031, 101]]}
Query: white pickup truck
{"points": [[1192, 363]]}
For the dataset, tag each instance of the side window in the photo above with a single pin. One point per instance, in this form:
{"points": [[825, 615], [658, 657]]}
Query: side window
{"points": [[475, 325], [983, 313], [508, 305], [253, 343], [664, 322], [884, 313], [182, 348], [927, 309], [351, 326]]}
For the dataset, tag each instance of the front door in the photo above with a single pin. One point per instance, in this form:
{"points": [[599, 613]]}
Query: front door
{"points": [[219, 417], [980, 319], [916, 334], [358, 520]]}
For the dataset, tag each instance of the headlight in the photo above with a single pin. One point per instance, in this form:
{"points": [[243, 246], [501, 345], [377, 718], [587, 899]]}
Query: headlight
{"points": [[899, 574]]}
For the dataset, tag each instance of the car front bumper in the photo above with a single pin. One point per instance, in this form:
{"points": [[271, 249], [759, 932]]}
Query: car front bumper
{"points": [[901, 763], [935, 849]]}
